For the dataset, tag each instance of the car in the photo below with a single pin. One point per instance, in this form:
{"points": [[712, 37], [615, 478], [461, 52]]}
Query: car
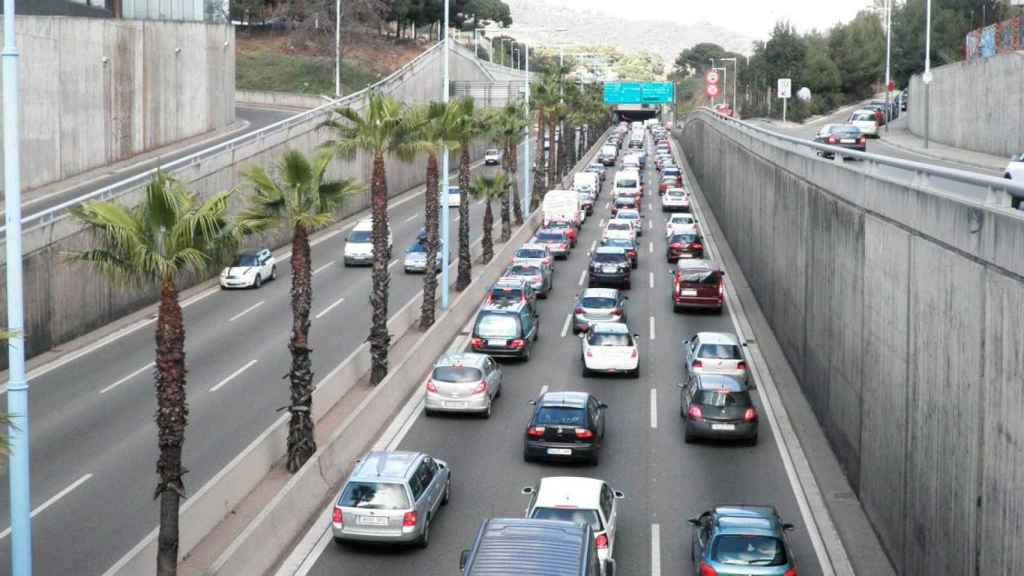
{"points": [[391, 497], [679, 220], [505, 546], [492, 157], [511, 291], [566, 426], [599, 169], [587, 202], [714, 353], [454, 196], [598, 305], [463, 382], [624, 202], [359, 244], [717, 407], [842, 135], [567, 227], [609, 153], [685, 242], [609, 265], [673, 171], [619, 229], [508, 331], [630, 246], [697, 284], [866, 121], [609, 347], [675, 200], [416, 258], [631, 215], [249, 270], [669, 181], [538, 277], [557, 242], [587, 501], [741, 540], [1015, 169], [534, 254]]}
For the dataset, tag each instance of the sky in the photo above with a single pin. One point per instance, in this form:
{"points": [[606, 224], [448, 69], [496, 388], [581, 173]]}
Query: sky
{"points": [[755, 18]]}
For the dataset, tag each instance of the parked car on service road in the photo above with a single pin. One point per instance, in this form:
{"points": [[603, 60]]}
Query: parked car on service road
{"points": [[492, 157]]}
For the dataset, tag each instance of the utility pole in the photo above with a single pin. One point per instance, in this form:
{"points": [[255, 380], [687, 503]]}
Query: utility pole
{"points": [[888, 53], [445, 216], [528, 172], [337, 48], [927, 76], [17, 384]]}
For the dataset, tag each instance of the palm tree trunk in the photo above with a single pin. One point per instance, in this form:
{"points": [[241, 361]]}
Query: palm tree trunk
{"points": [[380, 340], [564, 146], [538, 172], [513, 167], [488, 240], [171, 420], [552, 158], [465, 262], [301, 444], [506, 201], [430, 219]]}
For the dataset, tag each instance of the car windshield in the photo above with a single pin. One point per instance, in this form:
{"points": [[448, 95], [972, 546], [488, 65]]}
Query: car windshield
{"points": [[719, 351], [550, 237], [683, 239], [675, 193], [457, 374], [671, 171], [506, 294], [700, 277], [492, 151], [598, 302], [374, 496], [574, 515], [749, 550], [845, 131], [609, 258], [530, 253], [626, 183], [863, 117], [360, 236], [722, 398], [619, 243], [455, 191], [628, 215], [625, 201], [245, 260], [609, 339], [559, 416], [497, 326], [417, 247], [522, 270]]}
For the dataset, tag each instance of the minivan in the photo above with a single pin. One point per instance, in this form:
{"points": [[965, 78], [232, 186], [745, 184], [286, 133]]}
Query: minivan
{"points": [[517, 546], [627, 181]]}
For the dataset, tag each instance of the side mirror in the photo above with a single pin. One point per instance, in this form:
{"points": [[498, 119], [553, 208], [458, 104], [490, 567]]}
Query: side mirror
{"points": [[602, 406], [619, 495], [532, 402], [787, 526], [527, 490], [694, 522], [721, 272], [681, 384], [463, 560], [636, 336], [609, 567], [581, 335]]}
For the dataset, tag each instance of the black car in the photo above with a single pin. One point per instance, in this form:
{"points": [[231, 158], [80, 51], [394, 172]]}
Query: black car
{"points": [[626, 244], [565, 426], [842, 135], [508, 331], [716, 406], [610, 265], [685, 243]]}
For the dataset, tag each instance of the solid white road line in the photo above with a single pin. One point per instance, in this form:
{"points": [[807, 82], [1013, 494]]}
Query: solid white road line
{"points": [[652, 328], [607, 205], [593, 245], [654, 407], [651, 277], [322, 268], [393, 262], [329, 308], [543, 391], [583, 276], [650, 224], [127, 378], [52, 501], [233, 375], [655, 550], [246, 311], [565, 327], [601, 223], [650, 206], [650, 247]]}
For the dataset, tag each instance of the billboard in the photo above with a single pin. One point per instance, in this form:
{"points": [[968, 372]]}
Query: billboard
{"points": [[639, 93]]}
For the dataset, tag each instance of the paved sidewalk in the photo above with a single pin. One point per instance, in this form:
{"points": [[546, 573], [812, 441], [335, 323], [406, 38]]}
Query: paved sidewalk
{"points": [[899, 136]]}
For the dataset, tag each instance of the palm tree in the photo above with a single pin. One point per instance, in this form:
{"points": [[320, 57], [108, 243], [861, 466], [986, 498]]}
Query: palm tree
{"points": [[509, 125], [301, 200], [383, 128], [468, 124], [489, 189], [169, 233], [542, 98]]}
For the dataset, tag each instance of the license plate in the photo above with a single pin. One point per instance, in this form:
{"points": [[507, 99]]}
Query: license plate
{"points": [[560, 451], [686, 255], [847, 140], [454, 405], [497, 342], [609, 269], [687, 292], [373, 520], [723, 426]]}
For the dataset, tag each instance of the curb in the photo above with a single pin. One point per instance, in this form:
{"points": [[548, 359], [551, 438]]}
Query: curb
{"points": [[928, 153]]}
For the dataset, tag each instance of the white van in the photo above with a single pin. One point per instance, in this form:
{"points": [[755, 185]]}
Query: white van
{"points": [[586, 182], [359, 244], [563, 206], [627, 181]]}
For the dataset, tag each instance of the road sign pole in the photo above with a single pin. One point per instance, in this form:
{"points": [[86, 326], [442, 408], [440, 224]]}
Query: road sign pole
{"points": [[784, 110]]}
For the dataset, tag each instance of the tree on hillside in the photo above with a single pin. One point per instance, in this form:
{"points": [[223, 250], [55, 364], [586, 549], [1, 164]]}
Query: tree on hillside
{"points": [[696, 59], [858, 50], [823, 78]]}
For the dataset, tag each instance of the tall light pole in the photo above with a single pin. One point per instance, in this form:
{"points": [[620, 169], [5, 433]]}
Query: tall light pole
{"points": [[735, 76], [17, 384], [528, 172], [927, 76], [445, 216], [888, 54], [337, 48], [712, 60]]}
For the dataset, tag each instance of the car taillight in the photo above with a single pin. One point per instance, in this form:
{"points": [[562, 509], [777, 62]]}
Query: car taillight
{"points": [[409, 519], [697, 246], [695, 412], [617, 312], [791, 572], [634, 353], [676, 245], [721, 289], [580, 310], [336, 516], [535, 431], [517, 343], [584, 434], [477, 342], [741, 366], [750, 415], [565, 245], [697, 364], [601, 541], [431, 387], [707, 570], [863, 140], [832, 140], [590, 353], [480, 388]]}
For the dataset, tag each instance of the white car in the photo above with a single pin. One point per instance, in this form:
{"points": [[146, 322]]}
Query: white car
{"points": [[677, 222], [249, 270], [359, 245], [619, 229], [609, 347], [454, 196], [582, 501], [1015, 169], [632, 215], [492, 157], [866, 121], [675, 200]]}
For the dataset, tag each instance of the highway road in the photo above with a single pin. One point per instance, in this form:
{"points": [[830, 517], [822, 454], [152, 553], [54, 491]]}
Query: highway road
{"points": [[93, 438], [665, 480]]}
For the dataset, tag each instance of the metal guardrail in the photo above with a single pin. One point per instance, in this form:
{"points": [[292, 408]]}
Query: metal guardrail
{"points": [[123, 186], [922, 171]]}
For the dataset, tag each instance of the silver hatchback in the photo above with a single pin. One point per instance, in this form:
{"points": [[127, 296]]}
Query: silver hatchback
{"points": [[598, 305], [463, 382], [715, 353], [391, 497]]}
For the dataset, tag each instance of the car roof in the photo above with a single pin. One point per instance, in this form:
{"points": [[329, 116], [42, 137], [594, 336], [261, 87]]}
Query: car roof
{"points": [[696, 264], [532, 246], [508, 283], [471, 359], [569, 492], [610, 250], [566, 399], [720, 382], [762, 520], [718, 338], [685, 229], [529, 546], [252, 252], [609, 328], [363, 225], [385, 466], [627, 211], [600, 293]]}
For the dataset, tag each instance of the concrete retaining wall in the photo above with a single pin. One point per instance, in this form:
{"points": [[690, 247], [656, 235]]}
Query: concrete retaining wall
{"points": [[97, 91], [900, 311], [975, 104], [280, 99]]}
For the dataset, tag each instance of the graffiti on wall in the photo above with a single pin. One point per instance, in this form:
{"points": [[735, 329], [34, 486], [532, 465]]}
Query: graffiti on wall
{"points": [[994, 39]]}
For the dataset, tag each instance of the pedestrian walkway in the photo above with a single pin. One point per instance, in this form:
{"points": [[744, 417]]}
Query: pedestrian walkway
{"points": [[899, 136]]}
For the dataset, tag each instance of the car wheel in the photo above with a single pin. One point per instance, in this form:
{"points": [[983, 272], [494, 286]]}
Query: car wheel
{"points": [[595, 458], [487, 413], [688, 438], [635, 373], [258, 281], [676, 308], [429, 413], [424, 538], [628, 285], [752, 441], [526, 456], [273, 272], [447, 492], [584, 371]]}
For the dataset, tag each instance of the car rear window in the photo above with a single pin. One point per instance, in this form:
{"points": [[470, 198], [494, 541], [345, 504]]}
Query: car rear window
{"points": [[560, 416], [722, 398], [418, 247], [550, 236], [749, 550], [497, 326], [574, 515], [862, 117], [683, 238], [620, 243], [624, 215], [360, 236], [457, 374], [374, 496], [626, 183], [506, 294], [609, 258], [700, 277], [845, 131], [625, 201], [719, 351], [530, 253], [597, 302], [674, 193], [521, 270], [609, 339]]}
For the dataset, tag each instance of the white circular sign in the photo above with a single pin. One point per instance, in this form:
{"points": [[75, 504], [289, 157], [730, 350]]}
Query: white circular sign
{"points": [[804, 93], [712, 90], [711, 77], [927, 77]]}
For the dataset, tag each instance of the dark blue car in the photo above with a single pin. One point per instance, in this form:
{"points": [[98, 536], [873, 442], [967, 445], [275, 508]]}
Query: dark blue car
{"points": [[741, 541]]}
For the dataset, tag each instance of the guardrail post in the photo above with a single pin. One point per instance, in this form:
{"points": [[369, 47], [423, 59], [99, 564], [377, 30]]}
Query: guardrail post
{"points": [[998, 197], [920, 179]]}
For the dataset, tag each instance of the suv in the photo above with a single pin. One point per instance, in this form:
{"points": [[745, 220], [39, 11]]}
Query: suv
{"points": [[508, 331], [718, 407], [391, 497], [610, 265], [734, 539], [534, 254], [359, 245], [565, 426], [697, 284]]}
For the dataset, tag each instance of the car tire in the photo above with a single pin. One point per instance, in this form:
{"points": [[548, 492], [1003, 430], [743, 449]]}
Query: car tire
{"points": [[628, 285], [486, 414], [595, 458], [273, 272], [635, 373], [688, 438], [429, 413], [676, 308], [584, 371], [424, 540], [447, 492], [752, 441], [258, 281], [526, 456]]}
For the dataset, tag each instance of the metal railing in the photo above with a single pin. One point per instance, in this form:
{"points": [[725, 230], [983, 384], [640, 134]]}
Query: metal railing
{"points": [[997, 187]]}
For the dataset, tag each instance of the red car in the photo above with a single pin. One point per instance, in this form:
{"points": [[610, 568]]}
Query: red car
{"points": [[669, 181], [685, 243], [698, 284]]}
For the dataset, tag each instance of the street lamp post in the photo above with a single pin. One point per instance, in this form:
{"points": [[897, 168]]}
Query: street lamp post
{"points": [[445, 216], [337, 48], [712, 60], [927, 76], [888, 53]]}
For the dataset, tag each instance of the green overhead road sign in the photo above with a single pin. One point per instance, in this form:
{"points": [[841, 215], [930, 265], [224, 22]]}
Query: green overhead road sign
{"points": [[639, 93]]}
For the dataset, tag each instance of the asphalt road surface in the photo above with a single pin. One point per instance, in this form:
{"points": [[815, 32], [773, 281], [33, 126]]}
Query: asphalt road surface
{"points": [[665, 481]]}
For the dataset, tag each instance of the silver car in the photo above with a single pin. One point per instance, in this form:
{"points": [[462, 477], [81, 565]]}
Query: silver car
{"points": [[535, 254], [416, 259], [715, 353], [391, 497], [537, 276], [598, 305], [463, 382]]}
